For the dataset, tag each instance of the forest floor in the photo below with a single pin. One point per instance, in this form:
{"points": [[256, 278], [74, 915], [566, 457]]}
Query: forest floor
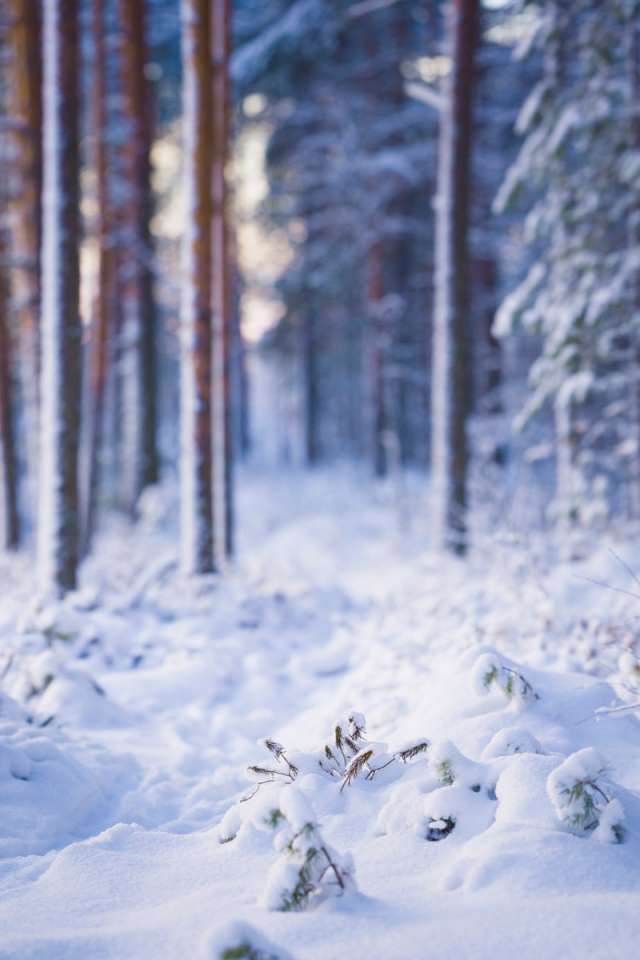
{"points": [[129, 714]]}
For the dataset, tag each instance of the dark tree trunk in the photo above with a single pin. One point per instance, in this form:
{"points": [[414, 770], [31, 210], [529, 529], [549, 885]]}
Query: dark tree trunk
{"points": [[26, 107], [196, 518], [140, 458], [221, 276], [451, 392], [61, 329], [7, 432], [312, 386]]}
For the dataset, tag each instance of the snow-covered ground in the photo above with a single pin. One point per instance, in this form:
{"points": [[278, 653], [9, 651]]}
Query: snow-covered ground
{"points": [[130, 712]]}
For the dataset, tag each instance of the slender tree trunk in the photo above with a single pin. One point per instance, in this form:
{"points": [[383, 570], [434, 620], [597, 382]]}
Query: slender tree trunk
{"points": [[61, 329], [139, 455], [196, 505], [9, 465], [450, 387], [26, 107], [221, 276], [100, 331], [312, 411], [376, 361]]}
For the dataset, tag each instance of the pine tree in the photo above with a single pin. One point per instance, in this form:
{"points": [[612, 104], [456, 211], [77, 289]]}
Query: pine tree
{"points": [[221, 280], [139, 453], [9, 464], [101, 326], [26, 210], [450, 380], [196, 481], [581, 294], [60, 322]]}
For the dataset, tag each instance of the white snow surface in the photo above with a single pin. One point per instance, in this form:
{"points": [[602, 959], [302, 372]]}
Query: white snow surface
{"points": [[130, 711]]}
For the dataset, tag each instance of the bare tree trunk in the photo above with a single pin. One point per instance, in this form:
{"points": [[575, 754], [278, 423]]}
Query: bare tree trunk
{"points": [[312, 411], [100, 331], [61, 330], [139, 455], [196, 505], [9, 465], [375, 361], [221, 276], [26, 107], [450, 390]]}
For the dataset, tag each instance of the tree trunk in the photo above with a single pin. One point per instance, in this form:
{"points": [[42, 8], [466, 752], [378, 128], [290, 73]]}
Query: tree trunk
{"points": [[100, 330], [60, 325], [9, 465], [311, 382], [221, 274], [139, 454], [196, 504], [26, 107], [450, 387]]}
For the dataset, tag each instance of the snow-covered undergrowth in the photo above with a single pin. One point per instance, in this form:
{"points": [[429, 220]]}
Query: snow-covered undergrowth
{"points": [[186, 767]]}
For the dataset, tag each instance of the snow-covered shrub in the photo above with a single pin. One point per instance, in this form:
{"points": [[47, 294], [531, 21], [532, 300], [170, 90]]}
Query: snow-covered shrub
{"points": [[348, 755], [450, 766], [260, 774], [489, 673], [308, 870], [576, 789], [460, 779], [352, 754], [512, 740], [239, 941]]}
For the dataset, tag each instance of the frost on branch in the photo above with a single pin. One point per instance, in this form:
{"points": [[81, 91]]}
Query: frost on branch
{"points": [[309, 871], [349, 754], [576, 789], [489, 673]]}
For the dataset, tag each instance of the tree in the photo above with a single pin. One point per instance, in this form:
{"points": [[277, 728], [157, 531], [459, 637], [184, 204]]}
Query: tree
{"points": [[581, 295], [139, 452], [196, 480], [26, 209], [450, 378], [221, 279], [101, 326], [9, 464], [205, 461], [58, 517]]}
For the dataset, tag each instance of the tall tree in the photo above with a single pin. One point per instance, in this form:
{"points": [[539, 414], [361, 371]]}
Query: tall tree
{"points": [[26, 203], [221, 277], [196, 484], [450, 379], [60, 320], [101, 318], [9, 464], [139, 453], [579, 169]]}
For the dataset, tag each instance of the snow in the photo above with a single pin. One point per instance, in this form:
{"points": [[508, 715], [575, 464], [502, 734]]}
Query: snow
{"points": [[130, 711]]}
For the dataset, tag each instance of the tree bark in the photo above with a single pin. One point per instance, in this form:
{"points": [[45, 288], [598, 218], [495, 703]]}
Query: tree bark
{"points": [[9, 466], [196, 506], [221, 277], [60, 323], [140, 458], [101, 320], [450, 382], [26, 107]]}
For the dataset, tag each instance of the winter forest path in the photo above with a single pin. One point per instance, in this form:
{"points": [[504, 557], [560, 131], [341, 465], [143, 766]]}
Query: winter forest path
{"points": [[148, 693]]}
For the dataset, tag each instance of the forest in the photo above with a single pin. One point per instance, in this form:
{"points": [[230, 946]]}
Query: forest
{"points": [[319, 479]]}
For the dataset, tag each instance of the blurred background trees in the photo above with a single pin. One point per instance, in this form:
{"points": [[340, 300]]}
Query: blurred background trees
{"points": [[296, 221]]}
